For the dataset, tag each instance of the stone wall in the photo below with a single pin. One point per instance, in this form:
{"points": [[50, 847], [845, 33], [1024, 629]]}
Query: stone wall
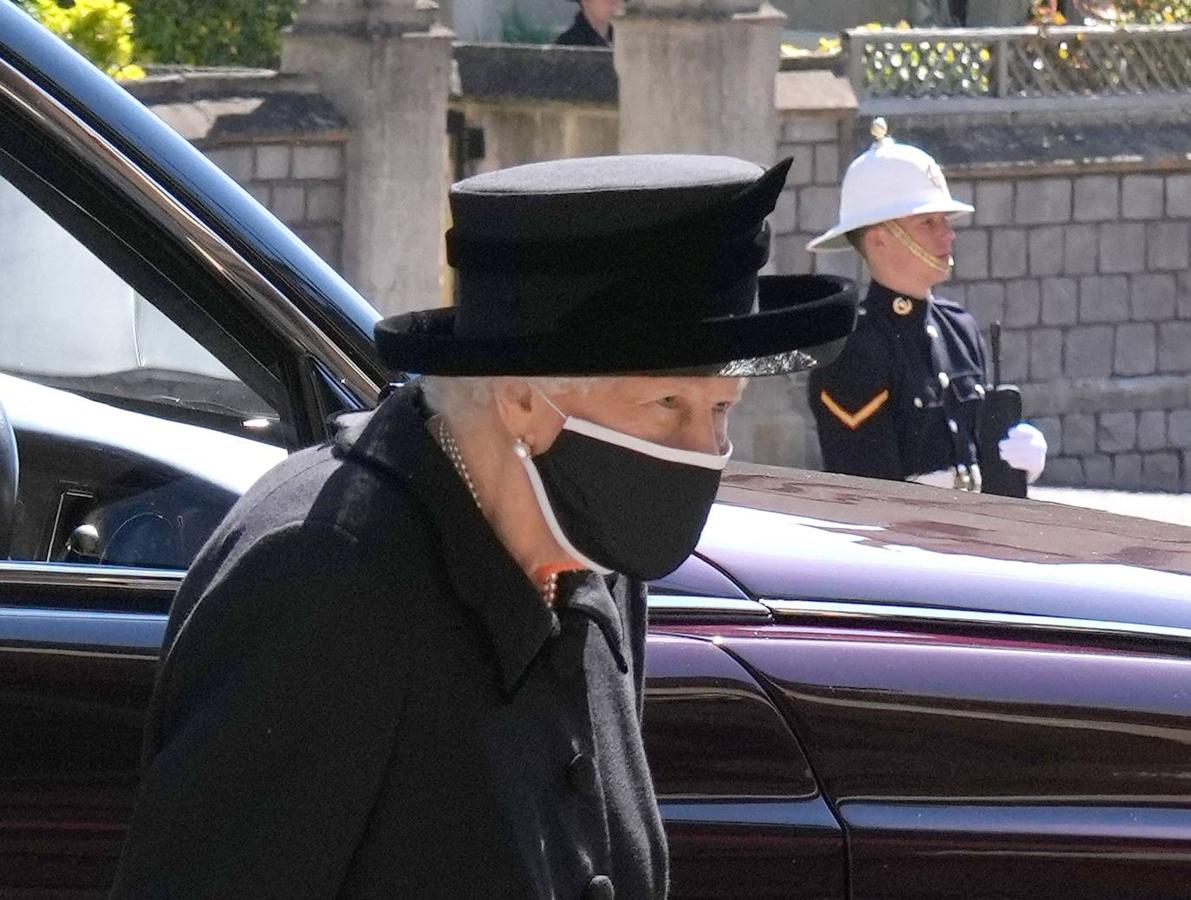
{"points": [[273, 134], [299, 181], [1088, 275], [534, 103]]}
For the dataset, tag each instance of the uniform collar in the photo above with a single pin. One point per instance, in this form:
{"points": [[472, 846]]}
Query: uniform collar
{"points": [[394, 439], [899, 308]]}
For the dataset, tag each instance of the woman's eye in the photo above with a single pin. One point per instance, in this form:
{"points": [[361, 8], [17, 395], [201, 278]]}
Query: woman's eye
{"points": [[670, 402]]}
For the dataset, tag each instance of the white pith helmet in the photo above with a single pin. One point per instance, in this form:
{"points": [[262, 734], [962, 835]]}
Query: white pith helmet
{"points": [[888, 181]]}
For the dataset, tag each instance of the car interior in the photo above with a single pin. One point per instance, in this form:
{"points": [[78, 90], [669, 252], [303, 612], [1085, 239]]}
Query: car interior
{"points": [[132, 420]]}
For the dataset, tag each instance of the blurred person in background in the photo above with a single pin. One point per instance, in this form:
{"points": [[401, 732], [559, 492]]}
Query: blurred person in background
{"points": [[593, 24]]}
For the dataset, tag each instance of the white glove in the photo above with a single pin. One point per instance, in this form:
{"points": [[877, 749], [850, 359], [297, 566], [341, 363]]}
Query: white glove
{"points": [[1024, 447]]}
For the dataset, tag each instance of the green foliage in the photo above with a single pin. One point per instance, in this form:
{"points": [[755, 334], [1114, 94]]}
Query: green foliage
{"points": [[101, 30], [516, 28], [1153, 12], [213, 32]]}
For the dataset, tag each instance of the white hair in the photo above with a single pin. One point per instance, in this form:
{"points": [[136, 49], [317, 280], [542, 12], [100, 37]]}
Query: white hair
{"points": [[463, 398]]}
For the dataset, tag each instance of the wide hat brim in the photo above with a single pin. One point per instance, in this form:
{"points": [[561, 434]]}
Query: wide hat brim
{"points": [[800, 322], [836, 238]]}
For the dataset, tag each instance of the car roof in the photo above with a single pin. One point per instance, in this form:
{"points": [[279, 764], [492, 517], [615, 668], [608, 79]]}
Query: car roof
{"points": [[790, 534], [183, 172]]}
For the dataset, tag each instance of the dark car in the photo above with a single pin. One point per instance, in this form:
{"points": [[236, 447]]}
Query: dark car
{"points": [[856, 689]]}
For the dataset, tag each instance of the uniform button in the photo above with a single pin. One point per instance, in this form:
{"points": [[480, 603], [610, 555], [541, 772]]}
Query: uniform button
{"points": [[954, 428], [581, 775], [599, 888], [979, 389], [932, 331], [918, 403], [944, 380]]}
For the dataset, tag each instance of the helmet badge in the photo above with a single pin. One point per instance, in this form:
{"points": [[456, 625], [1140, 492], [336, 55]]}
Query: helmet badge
{"points": [[935, 174]]}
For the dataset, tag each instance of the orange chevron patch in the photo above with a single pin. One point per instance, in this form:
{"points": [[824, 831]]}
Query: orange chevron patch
{"points": [[856, 419]]}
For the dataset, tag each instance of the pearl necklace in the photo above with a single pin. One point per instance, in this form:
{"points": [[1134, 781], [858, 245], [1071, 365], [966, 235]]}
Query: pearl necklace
{"points": [[549, 588], [447, 440]]}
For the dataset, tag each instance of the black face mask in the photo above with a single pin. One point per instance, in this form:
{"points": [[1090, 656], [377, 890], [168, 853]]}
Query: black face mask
{"points": [[617, 503]]}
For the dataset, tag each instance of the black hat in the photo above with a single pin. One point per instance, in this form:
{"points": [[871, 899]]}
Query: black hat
{"points": [[616, 265]]}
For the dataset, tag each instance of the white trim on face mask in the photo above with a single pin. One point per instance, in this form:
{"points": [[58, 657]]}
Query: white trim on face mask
{"points": [[715, 461], [539, 489]]}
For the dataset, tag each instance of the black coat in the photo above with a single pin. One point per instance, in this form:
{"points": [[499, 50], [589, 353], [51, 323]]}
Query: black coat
{"points": [[364, 696], [904, 397], [581, 34]]}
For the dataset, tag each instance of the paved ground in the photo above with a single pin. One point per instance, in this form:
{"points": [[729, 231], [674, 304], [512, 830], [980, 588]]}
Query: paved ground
{"points": [[1163, 507]]}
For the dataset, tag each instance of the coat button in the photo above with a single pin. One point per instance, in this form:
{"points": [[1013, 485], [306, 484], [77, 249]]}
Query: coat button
{"points": [[979, 389], [951, 423], [944, 380], [932, 331], [581, 775], [599, 888], [918, 403]]}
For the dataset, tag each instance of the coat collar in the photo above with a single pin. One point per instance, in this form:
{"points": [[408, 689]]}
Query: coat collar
{"points": [[582, 32], [900, 309], [395, 440]]}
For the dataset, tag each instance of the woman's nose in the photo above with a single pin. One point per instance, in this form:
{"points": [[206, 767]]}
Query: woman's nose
{"points": [[705, 434]]}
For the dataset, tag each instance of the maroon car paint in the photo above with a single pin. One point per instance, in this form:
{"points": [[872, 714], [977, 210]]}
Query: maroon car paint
{"points": [[744, 816]]}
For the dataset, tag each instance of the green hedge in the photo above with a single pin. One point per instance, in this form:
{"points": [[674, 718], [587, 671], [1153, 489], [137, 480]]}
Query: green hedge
{"points": [[101, 30], [212, 32]]}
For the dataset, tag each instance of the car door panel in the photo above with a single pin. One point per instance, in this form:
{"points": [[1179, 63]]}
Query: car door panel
{"points": [[969, 765], [73, 697], [744, 816]]}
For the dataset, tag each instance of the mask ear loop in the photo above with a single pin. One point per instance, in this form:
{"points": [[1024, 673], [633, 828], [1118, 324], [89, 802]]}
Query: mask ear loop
{"points": [[521, 446], [550, 403], [935, 262], [535, 481]]}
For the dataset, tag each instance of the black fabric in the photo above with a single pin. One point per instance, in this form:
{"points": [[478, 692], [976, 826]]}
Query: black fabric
{"points": [[654, 270], [363, 696], [623, 509], [581, 34], [897, 356], [807, 312]]}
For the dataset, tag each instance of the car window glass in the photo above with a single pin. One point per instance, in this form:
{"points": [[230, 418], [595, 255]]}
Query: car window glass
{"points": [[132, 438]]}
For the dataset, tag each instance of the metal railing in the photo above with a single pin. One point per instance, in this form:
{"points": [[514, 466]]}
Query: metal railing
{"points": [[1050, 63]]}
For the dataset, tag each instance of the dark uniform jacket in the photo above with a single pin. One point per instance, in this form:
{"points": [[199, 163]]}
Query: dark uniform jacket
{"points": [[581, 34], [364, 696], [904, 397]]}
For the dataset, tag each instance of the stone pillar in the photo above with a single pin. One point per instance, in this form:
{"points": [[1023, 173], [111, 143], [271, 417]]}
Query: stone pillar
{"points": [[697, 76], [386, 65]]}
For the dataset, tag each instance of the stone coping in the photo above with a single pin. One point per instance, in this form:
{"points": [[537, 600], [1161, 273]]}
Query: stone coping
{"points": [[968, 149], [540, 72]]}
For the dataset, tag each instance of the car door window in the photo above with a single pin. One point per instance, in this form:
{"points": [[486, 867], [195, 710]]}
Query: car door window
{"points": [[132, 437]]}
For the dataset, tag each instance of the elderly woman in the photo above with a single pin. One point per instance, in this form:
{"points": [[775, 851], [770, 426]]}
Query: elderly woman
{"points": [[410, 662]]}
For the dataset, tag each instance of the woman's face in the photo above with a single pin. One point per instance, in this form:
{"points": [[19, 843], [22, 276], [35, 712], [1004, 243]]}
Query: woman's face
{"points": [[686, 413]]}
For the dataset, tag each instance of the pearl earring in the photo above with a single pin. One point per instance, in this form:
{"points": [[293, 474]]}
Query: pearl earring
{"points": [[521, 448]]}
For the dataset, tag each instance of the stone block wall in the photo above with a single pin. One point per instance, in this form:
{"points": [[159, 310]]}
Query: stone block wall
{"points": [[300, 182], [1088, 274], [276, 135]]}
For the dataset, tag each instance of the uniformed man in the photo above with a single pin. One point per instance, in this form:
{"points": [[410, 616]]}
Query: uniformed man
{"points": [[904, 398], [592, 26]]}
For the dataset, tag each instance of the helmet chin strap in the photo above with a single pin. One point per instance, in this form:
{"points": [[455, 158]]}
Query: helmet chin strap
{"points": [[938, 263]]}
